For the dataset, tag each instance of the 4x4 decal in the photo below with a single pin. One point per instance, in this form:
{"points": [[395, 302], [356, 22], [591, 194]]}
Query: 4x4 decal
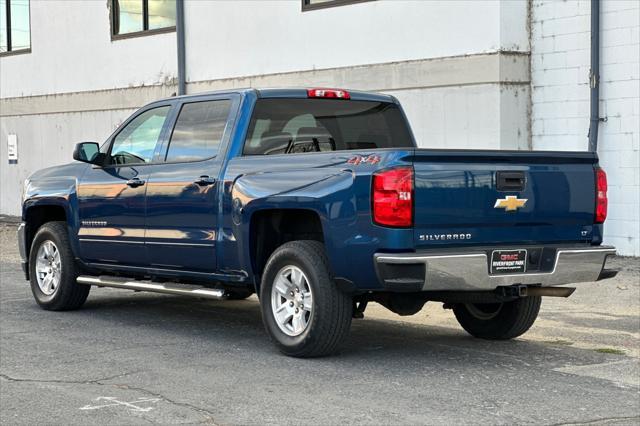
{"points": [[371, 159]]}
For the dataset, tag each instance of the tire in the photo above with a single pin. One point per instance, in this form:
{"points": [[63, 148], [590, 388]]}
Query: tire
{"points": [[326, 318], [61, 292], [498, 321], [238, 294]]}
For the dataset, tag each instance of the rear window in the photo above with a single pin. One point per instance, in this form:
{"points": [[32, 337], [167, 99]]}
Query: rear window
{"points": [[287, 126]]}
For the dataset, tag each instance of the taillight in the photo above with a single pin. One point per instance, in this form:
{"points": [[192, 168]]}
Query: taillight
{"points": [[392, 194], [328, 93], [601, 196]]}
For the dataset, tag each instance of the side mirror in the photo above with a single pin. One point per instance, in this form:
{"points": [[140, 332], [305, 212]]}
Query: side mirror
{"points": [[87, 152]]}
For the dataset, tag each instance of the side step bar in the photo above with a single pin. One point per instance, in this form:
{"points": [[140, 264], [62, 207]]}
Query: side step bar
{"points": [[167, 288]]}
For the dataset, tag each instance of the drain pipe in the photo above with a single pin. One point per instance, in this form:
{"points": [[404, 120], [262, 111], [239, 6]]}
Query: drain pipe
{"points": [[594, 76], [180, 42]]}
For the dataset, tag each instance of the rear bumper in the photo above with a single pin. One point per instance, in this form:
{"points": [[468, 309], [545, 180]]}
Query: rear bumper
{"points": [[469, 271], [22, 247]]}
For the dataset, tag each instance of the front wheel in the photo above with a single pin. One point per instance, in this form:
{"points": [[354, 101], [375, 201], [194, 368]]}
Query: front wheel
{"points": [[304, 312], [498, 321], [53, 271]]}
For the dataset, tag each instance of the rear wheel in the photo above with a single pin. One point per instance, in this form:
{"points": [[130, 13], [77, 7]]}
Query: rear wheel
{"points": [[53, 270], [304, 312], [498, 321]]}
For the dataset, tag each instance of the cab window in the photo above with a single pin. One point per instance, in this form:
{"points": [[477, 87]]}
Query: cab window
{"points": [[198, 131], [137, 141]]}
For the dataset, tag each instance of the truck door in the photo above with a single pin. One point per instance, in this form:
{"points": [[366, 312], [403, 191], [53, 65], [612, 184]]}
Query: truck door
{"points": [[182, 193], [111, 198]]}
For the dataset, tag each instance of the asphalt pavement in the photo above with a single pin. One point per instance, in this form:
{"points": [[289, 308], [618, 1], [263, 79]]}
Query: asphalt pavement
{"points": [[137, 358]]}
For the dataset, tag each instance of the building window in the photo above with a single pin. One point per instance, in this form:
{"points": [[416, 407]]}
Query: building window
{"points": [[15, 35], [141, 17], [320, 4]]}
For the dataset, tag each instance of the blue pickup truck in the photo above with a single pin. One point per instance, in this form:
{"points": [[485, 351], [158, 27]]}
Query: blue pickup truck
{"points": [[319, 201]]}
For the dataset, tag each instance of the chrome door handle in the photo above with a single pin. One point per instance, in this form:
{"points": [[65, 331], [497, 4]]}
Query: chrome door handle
{"points": [[135, 182], [205, 180]]}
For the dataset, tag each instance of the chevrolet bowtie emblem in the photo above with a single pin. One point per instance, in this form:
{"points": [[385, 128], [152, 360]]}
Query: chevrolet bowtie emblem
{"points": [[511, 203]]}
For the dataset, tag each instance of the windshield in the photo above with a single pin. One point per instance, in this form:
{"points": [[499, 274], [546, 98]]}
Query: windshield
{"points": [[284, 126]]}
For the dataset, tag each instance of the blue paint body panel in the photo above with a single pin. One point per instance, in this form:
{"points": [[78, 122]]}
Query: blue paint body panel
{"points": [[458, 197], [173, 228]]}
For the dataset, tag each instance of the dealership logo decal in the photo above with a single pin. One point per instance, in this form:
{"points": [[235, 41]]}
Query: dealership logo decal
{"points": [[510, 203]]}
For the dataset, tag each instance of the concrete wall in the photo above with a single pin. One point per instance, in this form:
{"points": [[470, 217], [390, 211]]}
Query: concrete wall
{"points": [[72, 51], [460, 69], [560, 64], [236, 39], [450, 103], [45, 140], [459, 102]]}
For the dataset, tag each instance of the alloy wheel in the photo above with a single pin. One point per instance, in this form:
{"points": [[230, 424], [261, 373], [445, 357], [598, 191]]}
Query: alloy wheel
{"points": [[292, 300]]}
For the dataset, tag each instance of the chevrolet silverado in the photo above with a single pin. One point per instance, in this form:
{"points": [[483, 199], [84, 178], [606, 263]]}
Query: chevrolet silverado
{"points": [[318, 201]]}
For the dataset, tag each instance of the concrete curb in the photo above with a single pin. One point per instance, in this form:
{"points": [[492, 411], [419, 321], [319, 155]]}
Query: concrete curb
{"points": [[9, 220]]}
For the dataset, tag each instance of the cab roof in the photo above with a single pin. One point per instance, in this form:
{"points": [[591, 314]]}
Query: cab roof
{"points": [[300, 93]]}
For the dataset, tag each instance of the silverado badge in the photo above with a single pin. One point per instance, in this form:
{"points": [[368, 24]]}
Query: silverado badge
{"points": [[510, 203]]}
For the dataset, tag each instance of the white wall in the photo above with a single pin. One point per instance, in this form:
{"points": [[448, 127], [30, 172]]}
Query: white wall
{"points": [[560, 62], [72, 51], [487, 116], [77, 83], [45, 140], [243, 38], [253, 38]]}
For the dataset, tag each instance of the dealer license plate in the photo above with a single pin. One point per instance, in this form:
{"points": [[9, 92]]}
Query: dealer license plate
{"points": [[508, 261]]}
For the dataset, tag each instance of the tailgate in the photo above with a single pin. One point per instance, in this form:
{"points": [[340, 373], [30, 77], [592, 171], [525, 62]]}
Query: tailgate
{"points": [[503, 197]]}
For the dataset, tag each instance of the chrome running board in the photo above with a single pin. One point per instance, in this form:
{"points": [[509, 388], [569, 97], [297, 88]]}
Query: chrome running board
{"points": [[167, 288]]}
